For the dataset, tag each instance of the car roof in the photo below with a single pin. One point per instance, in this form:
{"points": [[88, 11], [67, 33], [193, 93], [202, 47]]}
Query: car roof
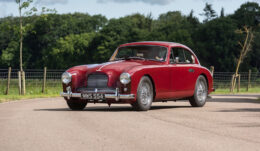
{"points": [[159, 43]]}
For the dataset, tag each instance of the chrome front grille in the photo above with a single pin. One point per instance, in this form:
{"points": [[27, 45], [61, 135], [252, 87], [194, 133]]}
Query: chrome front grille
{"points": [[97, 81]]}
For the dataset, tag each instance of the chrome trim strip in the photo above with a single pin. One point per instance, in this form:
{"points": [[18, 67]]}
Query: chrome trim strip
{"points": [[115, 96]]}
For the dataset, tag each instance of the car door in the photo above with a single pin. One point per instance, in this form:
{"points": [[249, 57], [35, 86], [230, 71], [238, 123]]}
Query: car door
{"points": [[182, 73]]}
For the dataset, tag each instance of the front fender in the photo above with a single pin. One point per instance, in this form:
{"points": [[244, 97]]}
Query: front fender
{"points": [[78, 78]]}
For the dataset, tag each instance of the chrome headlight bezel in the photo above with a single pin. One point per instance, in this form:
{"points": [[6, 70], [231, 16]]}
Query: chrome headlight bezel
{"points": [[66, 78], [125, 78]]}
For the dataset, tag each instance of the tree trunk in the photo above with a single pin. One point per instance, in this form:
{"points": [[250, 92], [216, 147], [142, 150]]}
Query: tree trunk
{"points": [[21, 49]]}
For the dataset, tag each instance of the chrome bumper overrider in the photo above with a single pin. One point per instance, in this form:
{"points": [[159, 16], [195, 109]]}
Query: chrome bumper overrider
{"points": [[115, 95]]}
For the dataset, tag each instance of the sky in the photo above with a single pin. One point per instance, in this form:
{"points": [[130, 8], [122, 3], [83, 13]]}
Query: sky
{"points": [[121, 8]]}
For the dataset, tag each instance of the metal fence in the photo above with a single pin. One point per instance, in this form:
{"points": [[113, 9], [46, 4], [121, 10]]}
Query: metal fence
{"points": [[222, 80], [34, 80]]}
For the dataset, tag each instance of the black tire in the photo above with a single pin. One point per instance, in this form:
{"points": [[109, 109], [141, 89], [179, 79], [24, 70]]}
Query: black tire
{"points": [[76, 104], [145, 95], [201, 92]]}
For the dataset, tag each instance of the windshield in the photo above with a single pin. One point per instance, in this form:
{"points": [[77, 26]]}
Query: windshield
{"points": [[157, 53]]}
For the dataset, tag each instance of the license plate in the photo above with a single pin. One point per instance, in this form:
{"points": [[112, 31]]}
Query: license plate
{"points": [[93, 96]]}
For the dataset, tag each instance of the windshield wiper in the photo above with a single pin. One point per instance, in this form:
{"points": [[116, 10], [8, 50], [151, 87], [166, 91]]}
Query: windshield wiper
{"points": [[140, 58], [128, 58], [116, 59], [156, 60]]}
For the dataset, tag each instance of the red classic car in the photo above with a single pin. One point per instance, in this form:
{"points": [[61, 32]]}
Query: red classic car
{"points": [[140, 73]]}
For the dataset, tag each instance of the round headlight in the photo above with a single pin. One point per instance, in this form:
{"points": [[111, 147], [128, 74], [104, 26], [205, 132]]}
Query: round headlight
{"points": [[125, 78], [66, 78]]}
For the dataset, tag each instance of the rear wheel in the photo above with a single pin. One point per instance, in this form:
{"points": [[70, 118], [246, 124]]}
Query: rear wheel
{"points": [[144, 95], [200, 93], [76, 104]]}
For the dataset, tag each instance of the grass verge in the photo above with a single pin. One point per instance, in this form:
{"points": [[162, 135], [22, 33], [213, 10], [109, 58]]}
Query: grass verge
{"points": [[32, 91], [7, 98], [242, 91]]}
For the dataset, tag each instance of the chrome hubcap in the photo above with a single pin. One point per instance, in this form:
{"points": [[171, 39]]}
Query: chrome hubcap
{"points": [[201, 91], [145, 95]]}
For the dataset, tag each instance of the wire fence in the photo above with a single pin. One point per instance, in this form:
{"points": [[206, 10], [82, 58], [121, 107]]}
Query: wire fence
{"points": [[222, 80], [34, 81]]}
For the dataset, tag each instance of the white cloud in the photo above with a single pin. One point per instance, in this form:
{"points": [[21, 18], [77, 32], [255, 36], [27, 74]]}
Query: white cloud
{"points": [[51, 2], [158, 2], [152, 2], [7, 1], [45, 2], [3, 10]]}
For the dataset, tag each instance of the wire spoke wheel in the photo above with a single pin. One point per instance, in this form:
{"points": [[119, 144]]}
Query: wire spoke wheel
{"points": [[200, 93], [144, 95]]}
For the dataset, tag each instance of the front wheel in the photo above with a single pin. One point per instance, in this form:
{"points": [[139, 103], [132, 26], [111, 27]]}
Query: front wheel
{"points": [[144, 95], [76, 104], [200, 93]]}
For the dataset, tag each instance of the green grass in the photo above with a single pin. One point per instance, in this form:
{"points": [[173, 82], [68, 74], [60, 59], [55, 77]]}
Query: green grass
{"points": [[53, 89], [33, 90], [242, 91]]}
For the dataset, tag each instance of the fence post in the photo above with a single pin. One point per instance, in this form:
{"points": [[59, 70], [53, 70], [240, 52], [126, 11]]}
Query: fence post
{"points": [[8, 80], [238, 83], [212, 70], [19, 83], [249, 78], [44, 79], [23, 90], [232, 83]]}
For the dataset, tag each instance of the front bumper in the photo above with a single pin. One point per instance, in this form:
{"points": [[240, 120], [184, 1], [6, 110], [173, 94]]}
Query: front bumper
{"points": [[111, 95]]}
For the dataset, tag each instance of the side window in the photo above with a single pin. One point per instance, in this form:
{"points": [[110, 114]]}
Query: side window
{"points": [[188, 56], [180, 55], [172, 56]]}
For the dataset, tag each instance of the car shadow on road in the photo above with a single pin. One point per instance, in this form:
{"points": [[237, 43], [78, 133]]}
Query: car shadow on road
{"points": [[237, 100], [111, 109], [234, 100], [242, 110]]}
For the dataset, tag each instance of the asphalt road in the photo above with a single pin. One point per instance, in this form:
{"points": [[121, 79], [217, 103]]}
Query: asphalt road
{"points": [[225, 123]]}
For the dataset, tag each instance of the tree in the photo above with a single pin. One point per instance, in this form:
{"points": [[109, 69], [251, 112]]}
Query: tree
{"points": [[209, 13], [173, 26], [131, 28], [245, 48], [222, 13], [216, 44], [247, 15], [47, 37], [9, 42], [192, 19], [71, 50], [22, 6]]}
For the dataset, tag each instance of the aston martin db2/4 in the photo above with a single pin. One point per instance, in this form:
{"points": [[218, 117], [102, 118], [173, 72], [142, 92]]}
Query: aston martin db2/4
{"points": [[140, 73]]}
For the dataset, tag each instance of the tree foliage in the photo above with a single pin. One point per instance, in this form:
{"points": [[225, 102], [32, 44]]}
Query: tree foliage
{"points": [[209, 13], [60, 41]]}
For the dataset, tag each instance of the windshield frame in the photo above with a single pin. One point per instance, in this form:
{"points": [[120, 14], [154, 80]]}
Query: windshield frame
{"points": [[113, 57]]}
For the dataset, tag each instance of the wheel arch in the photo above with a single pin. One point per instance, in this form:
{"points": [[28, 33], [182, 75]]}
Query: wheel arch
{"points": [[154, 89], [205, 76]]}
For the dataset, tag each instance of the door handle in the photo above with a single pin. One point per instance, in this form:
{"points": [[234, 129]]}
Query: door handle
{"points": [[191, 70]]}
